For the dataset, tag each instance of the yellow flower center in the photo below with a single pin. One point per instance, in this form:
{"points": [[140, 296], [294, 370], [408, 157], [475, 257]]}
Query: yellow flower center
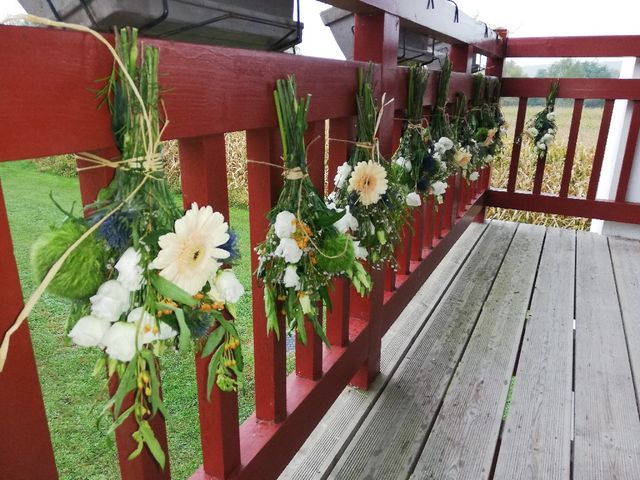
{"points": [[192, 254]]}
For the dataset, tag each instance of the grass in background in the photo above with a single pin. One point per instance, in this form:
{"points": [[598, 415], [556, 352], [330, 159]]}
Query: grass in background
{"points": [[73, 398], [582, 163]]}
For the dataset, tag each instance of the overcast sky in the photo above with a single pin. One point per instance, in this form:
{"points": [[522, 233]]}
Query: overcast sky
{"points": [[522, 18]]}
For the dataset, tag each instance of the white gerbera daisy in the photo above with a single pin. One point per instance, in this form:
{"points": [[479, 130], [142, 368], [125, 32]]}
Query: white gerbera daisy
{"points": [[189, 257], [369, 179]]}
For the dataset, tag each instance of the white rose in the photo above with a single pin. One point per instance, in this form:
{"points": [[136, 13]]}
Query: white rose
{"points": [[413, 200], [404, 163], [439, 188], [551, 116], [226, 287], [110, 301], [129, 270], [347, 222], [289, 250], [291, 278], [542, 146], [533, 132], [285, 224], [489, 158], [120, 341], [342, 174], [474, 176], [445, 144], [361, 252], [547, 138], [89, 331], [149, 329]]}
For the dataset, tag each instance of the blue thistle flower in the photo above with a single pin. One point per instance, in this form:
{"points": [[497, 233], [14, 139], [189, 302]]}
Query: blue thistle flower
{"points": [[231, 246], [116, 230]]}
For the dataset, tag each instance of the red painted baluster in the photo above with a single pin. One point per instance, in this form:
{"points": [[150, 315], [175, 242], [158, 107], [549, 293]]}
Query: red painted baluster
{"points": [[403, 250], [265, 183], [417, 241], [428, 226], [204, 181], [517, 145], [603, 134], [309, 356], [629, 154], [571, 147], [539, 175], [376, 39], [144, 466], [25, 445], [338, 317]]}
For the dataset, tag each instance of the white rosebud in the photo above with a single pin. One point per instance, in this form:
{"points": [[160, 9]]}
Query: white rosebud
{"points": [[445, 144], [551, 116], [305, 303], [226, 287], [129, 270], [149, 329], [289, 250], [120, 341], [533, 132], [438, 188], [285, 224], [404, 163], [110, 301], [542, 146], [361, 252], [342, 174], [347, 222], [89, 331], [547, 138], [474, 176], [413, 200], [291, 278]]}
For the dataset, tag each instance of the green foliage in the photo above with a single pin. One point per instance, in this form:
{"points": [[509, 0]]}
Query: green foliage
{"points": [[571, 68], [337, 254], [512, 69], [439, 121], [83, 271], [63, 165]]}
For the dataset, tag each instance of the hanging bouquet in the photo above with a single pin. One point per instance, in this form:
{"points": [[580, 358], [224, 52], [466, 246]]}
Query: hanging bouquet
{"points": [[413, 154], [143, 277], [443, 156], [542, 128], [368, 188], [467, 156], [304, 250], [486, 120]]}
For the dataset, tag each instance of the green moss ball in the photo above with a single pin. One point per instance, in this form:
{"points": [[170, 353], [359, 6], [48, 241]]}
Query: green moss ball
{"points": [[83, 271], [340, 247]]}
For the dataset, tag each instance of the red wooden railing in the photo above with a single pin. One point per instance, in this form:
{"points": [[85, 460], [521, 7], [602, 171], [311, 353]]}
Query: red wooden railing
{"points": [[619, 209], [47, 109]]}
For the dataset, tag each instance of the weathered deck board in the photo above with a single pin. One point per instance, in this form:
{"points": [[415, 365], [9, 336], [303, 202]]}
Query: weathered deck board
{"points": [[388, 443], [536, 439], [463, 440], [320, 452], [607, 427], [626, 266]]}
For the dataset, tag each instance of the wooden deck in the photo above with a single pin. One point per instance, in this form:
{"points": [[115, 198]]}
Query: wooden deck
{"points": [[548, 314]]}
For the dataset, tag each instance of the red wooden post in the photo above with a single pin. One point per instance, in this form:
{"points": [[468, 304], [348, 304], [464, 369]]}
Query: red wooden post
{"points": [[629, 154], [25, 445], [204, 181], [376, 39], [495, 64], [428, 226], [270, 353], [338, 317], [309, 356], [417, 240], [539, 175]]}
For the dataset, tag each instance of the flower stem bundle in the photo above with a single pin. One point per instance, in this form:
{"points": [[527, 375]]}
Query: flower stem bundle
{"points": [[303, 250], [370, 189], [542, 128], [143, 277]]}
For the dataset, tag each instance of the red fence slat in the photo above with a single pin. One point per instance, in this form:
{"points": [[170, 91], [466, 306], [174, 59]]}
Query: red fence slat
{"points": [[571, 147], [603, 134], [629, 154], [264, 186], [592, 46], [584, 88], [204, 181], [539, 175], [517, 144]]}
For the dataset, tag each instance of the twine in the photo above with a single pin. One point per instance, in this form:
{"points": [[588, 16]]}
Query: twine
{"points": [[151, 162]]}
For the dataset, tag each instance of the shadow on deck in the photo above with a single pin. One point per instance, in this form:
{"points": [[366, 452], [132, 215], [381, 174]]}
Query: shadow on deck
{"points": [[546, 317]]}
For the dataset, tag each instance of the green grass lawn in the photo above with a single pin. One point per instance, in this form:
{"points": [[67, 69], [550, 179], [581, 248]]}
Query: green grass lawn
{"points": [[73, 398]]}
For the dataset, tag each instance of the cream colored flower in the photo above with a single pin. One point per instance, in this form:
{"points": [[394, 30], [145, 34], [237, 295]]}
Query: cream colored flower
{"points": [[490, 135], [462, 158], [189, 257], [369, 179]]}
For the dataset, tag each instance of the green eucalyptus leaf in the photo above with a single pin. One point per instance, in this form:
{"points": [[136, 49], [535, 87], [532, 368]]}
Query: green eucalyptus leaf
{"points": [[170, 290], [213, 341], [152, 442]]}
